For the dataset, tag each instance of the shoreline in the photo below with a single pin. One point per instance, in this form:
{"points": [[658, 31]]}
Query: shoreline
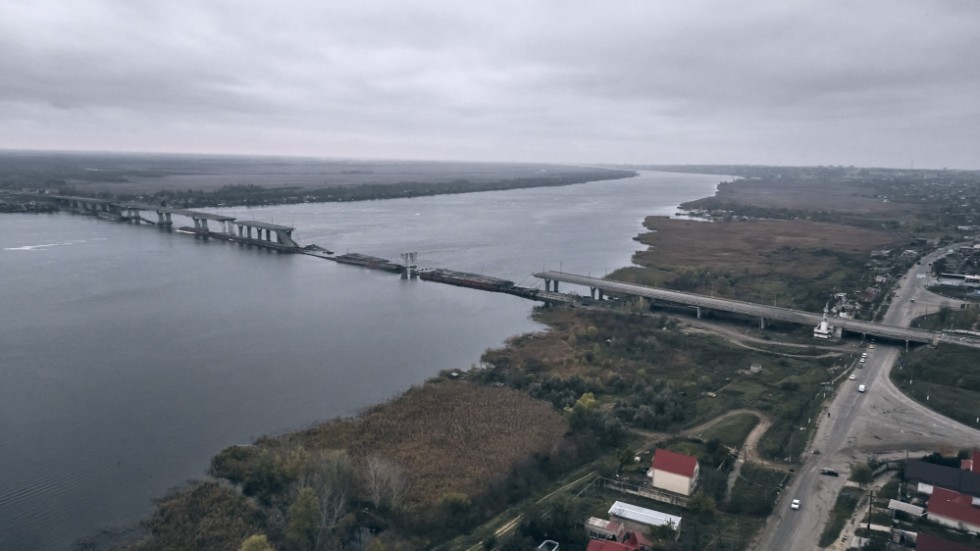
{"points": [[111, 537]]}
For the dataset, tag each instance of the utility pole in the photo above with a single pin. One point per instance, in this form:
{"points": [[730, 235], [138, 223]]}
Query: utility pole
{"points": [[870, 504]]}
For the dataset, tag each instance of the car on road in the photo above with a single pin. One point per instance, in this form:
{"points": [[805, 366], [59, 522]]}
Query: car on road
{"points": [[861, 388], [864, 355], [852, 377], [871, 346], [795, 504]]}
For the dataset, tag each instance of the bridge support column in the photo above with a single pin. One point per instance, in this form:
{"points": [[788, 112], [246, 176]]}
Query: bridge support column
{"points": [[906, 346], [762, 323], [698, 308]]}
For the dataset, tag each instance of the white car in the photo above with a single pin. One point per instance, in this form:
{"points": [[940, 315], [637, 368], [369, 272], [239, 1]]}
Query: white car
{"points": [[852, 377], [795, 504]]}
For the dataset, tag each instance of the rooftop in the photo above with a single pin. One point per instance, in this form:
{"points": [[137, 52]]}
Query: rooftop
{"points": [[676, 463], [606, 545], [644, 516], [917, 470], [925, 542], [953, 505]]}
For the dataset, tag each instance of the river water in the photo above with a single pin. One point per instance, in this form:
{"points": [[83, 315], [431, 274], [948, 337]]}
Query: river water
{"points": [[129, 355]]}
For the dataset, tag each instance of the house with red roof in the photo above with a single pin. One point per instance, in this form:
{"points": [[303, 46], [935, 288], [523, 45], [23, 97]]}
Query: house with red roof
{"points": [[674, 472], [607, 545], [925, 542], [953, 509]]}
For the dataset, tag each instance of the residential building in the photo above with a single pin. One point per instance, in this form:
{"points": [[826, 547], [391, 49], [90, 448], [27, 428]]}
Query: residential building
{"points": [[928, 475], [607, 545], [641, 519], [674, 472], [955, 510], [602, 529], [925, 542]]}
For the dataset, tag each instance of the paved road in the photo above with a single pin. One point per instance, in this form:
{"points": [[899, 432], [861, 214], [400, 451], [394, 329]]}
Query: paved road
{"points": [[760, 311], [881, 420]]}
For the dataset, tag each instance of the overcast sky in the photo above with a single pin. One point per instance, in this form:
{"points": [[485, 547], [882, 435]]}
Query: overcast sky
{"points": [[882, 83]]}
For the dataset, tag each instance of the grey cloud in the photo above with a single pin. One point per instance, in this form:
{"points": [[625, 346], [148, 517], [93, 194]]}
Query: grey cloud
{"points": [[795, 82]]}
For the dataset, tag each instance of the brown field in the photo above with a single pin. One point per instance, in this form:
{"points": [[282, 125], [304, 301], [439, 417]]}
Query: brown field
{"points": [[754, 260], [803, 195], [449, 436]]}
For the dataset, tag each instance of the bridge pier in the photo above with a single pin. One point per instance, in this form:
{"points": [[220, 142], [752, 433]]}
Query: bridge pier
{"points": [[698, 308], [762, 323]]}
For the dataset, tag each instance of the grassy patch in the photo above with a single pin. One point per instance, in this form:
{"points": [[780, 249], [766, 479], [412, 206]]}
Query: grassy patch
{"points": [[651, 376], [950, 318], [844, 507], [756, 490], [944, 379], [732, 431]]}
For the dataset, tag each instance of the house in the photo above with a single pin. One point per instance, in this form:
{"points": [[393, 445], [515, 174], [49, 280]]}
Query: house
{"points": [[929, 475], [640, 519], [602, 529], [674, 472], [954, 509], [925, 542], [606, 545]]}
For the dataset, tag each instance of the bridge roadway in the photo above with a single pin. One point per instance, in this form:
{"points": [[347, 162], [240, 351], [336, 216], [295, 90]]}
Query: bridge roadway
{"points": [[760, 311]]}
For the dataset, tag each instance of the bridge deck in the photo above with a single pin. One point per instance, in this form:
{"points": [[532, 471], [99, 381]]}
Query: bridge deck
{"points": [[203, 215], [746, 308], [263, 225]]}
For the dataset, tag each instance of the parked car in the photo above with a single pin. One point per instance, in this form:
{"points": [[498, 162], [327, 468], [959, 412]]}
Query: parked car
{"points": [[795, 504], [829, 472]]}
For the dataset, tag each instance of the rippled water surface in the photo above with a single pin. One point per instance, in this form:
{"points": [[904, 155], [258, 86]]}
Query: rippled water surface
{"points": [[129, 356]]}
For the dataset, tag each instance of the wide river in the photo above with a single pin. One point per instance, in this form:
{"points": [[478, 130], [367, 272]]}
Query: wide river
{"points": [[129, 356]]}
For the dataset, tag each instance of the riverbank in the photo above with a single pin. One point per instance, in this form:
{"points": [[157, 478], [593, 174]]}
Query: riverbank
{"points": [[651, 376], [213, 344], [199, 181]]}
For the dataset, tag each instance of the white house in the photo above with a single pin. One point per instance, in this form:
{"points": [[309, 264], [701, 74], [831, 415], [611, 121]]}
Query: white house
{"points": [[674, 472]]}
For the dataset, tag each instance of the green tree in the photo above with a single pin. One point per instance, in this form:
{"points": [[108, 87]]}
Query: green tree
{"points": [[861, 473], [303, 519], [256, 543], [702, 504]]}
